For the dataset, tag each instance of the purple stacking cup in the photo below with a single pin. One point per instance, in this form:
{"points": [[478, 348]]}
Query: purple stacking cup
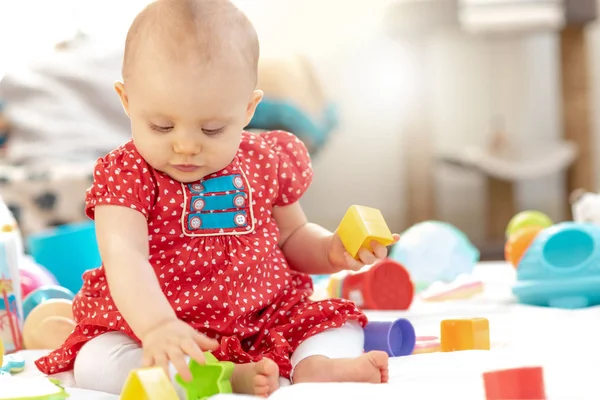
{"points": [[397, 338]]}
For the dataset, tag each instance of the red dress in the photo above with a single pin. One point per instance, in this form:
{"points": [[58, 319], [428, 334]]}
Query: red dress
{"points": [[214, 248]]}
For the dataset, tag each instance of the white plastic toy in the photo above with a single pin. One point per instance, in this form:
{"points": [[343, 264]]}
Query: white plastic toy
{"points": [[11, 306], [585, 206]]}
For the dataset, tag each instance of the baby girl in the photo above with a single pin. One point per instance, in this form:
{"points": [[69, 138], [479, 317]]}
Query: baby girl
{"points": [[204, 244]]}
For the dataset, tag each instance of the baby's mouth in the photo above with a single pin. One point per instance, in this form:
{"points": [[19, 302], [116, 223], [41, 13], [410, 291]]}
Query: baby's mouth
{"points": [[186, 167]]}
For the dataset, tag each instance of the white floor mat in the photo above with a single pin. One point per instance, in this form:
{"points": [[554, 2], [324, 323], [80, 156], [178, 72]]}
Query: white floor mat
{"points": [[564, 342]]}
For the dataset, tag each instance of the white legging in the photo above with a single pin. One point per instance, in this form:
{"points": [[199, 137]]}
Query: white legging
{"points": [[104, 362]]}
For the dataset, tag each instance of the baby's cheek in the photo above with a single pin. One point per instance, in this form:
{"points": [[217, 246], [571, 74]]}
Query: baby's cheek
{"points": [[155, 153]]}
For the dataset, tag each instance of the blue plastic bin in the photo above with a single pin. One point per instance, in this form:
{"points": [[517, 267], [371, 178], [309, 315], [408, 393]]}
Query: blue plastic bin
{"points": [[67, 252]]}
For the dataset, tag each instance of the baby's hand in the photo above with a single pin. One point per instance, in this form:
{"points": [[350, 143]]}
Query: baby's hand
{"points": [[172, 342], [342, 260]]}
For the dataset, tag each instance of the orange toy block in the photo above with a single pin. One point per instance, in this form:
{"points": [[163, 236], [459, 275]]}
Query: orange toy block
{"points": [[465, 334], [362, 225]]}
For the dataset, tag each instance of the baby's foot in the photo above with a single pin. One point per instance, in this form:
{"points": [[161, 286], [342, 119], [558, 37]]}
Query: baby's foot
{"points": [[259, 379], [371, 367]]}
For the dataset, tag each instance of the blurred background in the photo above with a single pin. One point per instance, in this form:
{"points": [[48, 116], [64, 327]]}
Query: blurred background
{"points": [[460, 111]]}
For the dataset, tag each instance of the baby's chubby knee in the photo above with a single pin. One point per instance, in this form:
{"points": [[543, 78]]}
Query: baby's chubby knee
{"points": [[104, 363]]}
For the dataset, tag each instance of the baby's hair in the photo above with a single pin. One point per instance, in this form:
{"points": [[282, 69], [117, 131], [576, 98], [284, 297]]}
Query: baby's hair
{"points": [[201, 30]]}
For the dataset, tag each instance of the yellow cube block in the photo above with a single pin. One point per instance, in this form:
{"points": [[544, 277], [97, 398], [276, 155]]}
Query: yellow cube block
{"points": [[465, 334], [362, 225]]}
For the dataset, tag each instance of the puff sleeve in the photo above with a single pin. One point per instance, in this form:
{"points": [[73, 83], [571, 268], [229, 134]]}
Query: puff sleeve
{"points": [[122, 178], [294, 168]]}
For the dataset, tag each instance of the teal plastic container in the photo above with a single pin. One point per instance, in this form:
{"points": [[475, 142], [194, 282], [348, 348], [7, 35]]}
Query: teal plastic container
{"points": [[67, 252], [561, 268]]}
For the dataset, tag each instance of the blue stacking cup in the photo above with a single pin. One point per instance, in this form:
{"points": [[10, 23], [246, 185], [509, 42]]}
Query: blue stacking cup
{"points": [[397, 338], [67, 252]]}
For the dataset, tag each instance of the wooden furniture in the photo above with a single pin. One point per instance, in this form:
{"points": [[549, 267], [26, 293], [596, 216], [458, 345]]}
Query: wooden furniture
{"points": [[576, 92], [576, 112], [500, 194]]}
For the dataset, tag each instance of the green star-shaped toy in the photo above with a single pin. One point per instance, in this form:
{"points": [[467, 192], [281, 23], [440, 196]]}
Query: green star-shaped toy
{"points": [[207, 380]]}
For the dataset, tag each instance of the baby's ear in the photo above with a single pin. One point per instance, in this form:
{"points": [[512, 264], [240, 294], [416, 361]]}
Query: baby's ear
{"points": [[120, 89], [256, 98]]}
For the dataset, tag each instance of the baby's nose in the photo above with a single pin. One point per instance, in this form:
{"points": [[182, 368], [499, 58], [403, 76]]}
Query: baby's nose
{"points": [[186, 145]]}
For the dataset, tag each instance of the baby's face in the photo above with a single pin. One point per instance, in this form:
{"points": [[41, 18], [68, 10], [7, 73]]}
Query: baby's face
{"points": [[186, 119]]}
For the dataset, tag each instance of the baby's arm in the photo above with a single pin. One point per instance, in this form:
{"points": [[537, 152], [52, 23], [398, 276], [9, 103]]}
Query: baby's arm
{"points": [[312, 249], [297, 235], [123, 243], [308, 248]]}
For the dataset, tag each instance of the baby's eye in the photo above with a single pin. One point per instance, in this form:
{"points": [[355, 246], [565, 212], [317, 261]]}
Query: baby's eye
{"points": [[213, 132], [160, 128]]}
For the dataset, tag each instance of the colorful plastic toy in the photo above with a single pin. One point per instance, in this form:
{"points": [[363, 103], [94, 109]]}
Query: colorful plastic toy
{"points": [[148, 384], [518, 243], [465, 334], [385, 285], [41, 274], [48, 325], [12, 364], [67, 252], [526, 219], [434, 251], [585, 206], [518, 383], [312, 129], [209, 379], [427, 344], [32, 280], [561, 268], [397, 338], [43, 294], [318, 279], [8, 223], [464, 287], [361, 226], [49, 319], [10, 293], [29, 282]]}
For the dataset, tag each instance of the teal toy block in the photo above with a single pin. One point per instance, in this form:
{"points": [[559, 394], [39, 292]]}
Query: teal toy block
{"points": [[12, 364], [208, 379]]}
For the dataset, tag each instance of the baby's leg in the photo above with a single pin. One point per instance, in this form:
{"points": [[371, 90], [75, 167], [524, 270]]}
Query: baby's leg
{"points": [[337, 355], [104, 363]]}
